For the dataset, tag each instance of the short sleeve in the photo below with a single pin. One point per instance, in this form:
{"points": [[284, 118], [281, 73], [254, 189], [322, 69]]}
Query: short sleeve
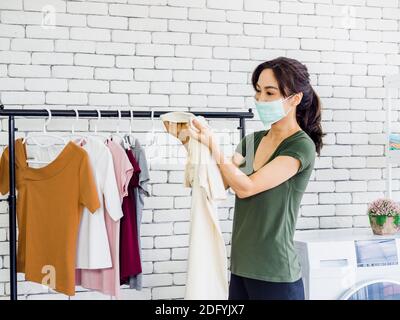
{"points": [[4, 172], [126, 175], [241, 147], [246, 145], [123, 168], [302, 149], [88, 195], [136, 170], [144, 176], [246, 149]]}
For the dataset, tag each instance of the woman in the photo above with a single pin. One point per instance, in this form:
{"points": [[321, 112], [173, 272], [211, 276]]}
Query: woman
{"points": [[269, 173]]}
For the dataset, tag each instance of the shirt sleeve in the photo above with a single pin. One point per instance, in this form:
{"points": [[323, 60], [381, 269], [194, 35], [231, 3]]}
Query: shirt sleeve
{"points": [[144, 176], [302, 149], [88, 195], [245, 148], [247, 144], [241, 147], [4, 172], [126, 174], [110, 189]]}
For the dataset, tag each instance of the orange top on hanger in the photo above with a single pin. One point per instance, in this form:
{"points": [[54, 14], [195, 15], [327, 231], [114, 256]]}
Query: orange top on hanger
{"points": [[49, 208]]}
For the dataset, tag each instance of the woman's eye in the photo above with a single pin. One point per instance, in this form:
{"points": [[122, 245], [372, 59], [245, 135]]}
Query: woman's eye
{"points": [[269, 93]]}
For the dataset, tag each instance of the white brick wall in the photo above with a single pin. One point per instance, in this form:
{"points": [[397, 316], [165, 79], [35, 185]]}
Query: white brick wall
{"points": [[199, 55]]}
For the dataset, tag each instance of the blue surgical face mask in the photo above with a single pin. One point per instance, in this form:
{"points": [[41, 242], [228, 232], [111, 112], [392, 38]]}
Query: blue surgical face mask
{"points": [[271, 111]]}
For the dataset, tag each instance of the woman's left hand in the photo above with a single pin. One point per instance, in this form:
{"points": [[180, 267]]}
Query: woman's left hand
{"points": [[202, 133]]}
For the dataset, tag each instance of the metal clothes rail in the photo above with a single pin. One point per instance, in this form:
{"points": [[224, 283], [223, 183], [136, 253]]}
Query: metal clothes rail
{"points": [[12, 113]]}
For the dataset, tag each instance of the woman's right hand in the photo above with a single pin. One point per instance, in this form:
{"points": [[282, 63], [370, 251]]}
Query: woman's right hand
{"points": [[202, 133]]}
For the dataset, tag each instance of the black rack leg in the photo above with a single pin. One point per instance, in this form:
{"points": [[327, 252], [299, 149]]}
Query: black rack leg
{"points": [[12, 210], [242, 127]]}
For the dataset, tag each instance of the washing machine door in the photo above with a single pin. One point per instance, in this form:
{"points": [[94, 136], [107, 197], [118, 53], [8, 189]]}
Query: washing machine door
{"points": [[374, 290]]}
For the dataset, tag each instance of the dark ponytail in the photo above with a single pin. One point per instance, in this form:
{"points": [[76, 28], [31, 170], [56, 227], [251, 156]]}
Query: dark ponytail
{"points": [[293, 77], [308, 115]]}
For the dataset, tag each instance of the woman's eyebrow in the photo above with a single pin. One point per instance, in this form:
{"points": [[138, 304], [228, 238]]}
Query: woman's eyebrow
{"points": [[268, 87]]}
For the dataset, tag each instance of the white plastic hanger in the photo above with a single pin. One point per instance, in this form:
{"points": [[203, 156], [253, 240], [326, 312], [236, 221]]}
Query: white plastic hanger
{"points": [[96, 134], [45, 134], [98, 120], [152, 146], [129, 138], [153, 134], [73, 135], [117, 133]]}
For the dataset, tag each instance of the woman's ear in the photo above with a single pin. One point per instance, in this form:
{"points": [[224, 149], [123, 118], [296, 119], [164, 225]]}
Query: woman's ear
{"points": [[297, 98]]}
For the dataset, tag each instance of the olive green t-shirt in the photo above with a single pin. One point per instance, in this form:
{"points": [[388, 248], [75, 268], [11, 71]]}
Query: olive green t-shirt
{"points": [[264, 224]]}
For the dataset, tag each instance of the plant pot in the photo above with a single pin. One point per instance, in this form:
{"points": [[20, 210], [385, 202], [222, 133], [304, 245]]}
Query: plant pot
{"points": [[382, 225]]}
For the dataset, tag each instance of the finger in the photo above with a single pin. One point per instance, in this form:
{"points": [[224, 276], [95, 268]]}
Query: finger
{"points": [[193, 134], [197, 124]]}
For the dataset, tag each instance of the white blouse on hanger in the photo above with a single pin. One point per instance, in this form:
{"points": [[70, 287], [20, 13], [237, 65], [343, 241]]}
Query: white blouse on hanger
{"points": [[93, 246]]}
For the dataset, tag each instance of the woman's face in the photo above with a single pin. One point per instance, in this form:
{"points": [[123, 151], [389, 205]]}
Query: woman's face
{"points": [[267, 87], [268, 90]]}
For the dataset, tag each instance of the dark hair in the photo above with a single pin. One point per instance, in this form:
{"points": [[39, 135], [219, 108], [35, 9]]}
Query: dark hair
{"points": [[293, 77]]}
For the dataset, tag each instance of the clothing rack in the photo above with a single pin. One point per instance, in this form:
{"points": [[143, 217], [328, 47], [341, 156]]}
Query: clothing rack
{"points": [[12, 113]]}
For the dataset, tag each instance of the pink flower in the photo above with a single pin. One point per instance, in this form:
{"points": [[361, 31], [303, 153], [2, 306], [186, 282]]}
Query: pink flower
{"points": [[383, 207]]}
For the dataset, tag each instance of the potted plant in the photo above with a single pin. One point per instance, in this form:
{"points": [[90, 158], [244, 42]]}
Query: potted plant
{"points": [[384, 216]]}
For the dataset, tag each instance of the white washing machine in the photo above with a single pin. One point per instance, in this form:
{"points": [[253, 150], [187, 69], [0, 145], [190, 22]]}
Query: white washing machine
{"points": [[349, 264]]}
